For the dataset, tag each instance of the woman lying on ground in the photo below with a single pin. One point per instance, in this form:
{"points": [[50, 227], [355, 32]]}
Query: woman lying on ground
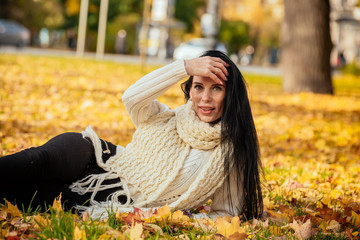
{"points": [[204, 149]]}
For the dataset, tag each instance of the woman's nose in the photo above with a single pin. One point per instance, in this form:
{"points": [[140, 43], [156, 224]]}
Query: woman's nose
{"points": [[206, 97]]}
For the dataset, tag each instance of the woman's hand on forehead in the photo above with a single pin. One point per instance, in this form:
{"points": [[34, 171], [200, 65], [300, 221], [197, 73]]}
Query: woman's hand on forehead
{"points": [[211, 67]]}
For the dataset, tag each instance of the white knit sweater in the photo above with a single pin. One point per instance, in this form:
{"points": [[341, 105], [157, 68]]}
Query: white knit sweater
{"points": [[140, 102]]}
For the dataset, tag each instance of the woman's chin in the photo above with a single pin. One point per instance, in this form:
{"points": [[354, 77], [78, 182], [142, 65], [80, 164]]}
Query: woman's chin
{"points": [[209, 119]]}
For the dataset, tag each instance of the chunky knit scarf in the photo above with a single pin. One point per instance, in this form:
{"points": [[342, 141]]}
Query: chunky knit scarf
{"points": [[153, 159]]}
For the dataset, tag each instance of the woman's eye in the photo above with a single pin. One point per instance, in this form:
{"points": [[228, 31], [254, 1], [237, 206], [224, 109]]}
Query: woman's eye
{"points": [[218, 88], [198, 87]]}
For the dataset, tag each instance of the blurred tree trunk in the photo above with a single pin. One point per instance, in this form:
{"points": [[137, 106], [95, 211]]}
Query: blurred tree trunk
{"points": [[306, 46], [4, 9]]}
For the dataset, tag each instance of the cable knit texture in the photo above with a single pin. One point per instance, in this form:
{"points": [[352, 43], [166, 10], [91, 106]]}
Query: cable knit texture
{"points": [[154, 158]]}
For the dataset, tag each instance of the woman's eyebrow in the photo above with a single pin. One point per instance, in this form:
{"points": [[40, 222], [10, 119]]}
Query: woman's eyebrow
{"points": [[197, 83]]}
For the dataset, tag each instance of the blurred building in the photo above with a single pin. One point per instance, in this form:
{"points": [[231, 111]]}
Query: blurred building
{"points": [[345, 31]]}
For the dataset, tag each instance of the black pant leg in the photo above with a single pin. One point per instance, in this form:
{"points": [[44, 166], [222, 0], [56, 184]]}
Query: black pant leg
{"points": [[63, 158], [46, 170]]}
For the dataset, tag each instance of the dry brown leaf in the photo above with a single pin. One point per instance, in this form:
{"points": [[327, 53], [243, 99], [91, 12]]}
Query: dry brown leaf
{"points": [[183, 236], [334, 226], [207, 225], [155, 228], [3, 215], [132, 218], [86, 216], [302, 230], [144, 214], [260, 224]]}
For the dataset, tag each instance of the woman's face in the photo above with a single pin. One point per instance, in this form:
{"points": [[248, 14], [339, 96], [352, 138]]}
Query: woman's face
{"points": [[207, 97]]}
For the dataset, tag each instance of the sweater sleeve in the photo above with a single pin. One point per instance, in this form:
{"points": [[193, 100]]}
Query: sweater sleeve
{"points": [[140, 98], [220, 205]]}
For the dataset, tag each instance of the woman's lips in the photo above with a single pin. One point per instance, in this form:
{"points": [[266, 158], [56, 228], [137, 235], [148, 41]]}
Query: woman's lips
{"points": [[206, 110]]}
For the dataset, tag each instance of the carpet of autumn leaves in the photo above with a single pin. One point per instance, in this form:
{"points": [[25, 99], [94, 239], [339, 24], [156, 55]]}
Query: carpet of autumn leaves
{"points": [[310, 147]]}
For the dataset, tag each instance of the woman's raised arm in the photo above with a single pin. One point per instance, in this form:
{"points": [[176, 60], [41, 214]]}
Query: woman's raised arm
{"points": [[211, 67], [140, 98]]}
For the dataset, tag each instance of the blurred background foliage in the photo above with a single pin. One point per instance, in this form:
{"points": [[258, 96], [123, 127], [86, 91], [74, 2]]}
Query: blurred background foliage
{"points": [[63, 16], [250, 29]]}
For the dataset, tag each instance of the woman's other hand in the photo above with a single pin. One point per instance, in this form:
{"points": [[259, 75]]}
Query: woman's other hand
{"points": [[212, 67]]}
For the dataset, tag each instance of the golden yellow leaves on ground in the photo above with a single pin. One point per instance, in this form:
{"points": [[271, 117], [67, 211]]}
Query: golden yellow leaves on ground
{"points": [[355, 219], [227, 228], [238, 236], [161, 213], [79, 234], [40, 222], [11, 209], [310, 145], [275, 230], [178, 216], [57, 203], [135, 232]]}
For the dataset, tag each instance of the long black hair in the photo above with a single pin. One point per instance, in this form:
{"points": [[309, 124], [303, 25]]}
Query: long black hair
{"points": [[239, 141]]}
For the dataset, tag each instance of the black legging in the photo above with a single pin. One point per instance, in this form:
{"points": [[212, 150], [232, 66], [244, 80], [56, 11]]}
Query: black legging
{"points": [[49, 169]]}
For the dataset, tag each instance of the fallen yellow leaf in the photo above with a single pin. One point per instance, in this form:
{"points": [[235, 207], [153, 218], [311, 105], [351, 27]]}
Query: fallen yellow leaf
{"points": [[135, 232], [178, 216], [57, 203], [163, 212], [79, 234], [355, 219], [105, 236], [275, 230], [226, 228], [238, 236], [40, 222], [12, 210]]}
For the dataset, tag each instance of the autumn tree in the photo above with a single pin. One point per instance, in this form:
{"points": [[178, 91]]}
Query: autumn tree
{"points": [[33, 14], [187, 12], [306, 46]]}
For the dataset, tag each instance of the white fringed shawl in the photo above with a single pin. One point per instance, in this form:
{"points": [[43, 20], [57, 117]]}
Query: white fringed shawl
{"points": [[153, 159]]}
